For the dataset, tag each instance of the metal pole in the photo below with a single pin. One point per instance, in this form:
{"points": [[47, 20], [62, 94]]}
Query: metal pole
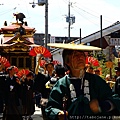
{"points": [[80, 36], [101, 31], [110, 58], [69, 22], [46, 23]]}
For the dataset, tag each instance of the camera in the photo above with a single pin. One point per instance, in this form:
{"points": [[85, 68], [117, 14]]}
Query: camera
{"points": [[33, 5]]}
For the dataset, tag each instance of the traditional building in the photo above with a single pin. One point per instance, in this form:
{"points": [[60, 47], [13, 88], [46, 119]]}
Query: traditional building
{"points": [[16, 41], [107, 38]]}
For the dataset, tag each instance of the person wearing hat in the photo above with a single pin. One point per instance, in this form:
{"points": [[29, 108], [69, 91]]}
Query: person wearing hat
{"points": [[79, 93], [40, 80]]}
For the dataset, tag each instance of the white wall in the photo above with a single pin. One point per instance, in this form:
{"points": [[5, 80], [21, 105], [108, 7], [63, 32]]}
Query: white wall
{"points": [[57, 55]]}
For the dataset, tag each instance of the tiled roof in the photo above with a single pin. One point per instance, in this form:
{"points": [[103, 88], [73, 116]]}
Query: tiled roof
{"points": [[15, 26]]}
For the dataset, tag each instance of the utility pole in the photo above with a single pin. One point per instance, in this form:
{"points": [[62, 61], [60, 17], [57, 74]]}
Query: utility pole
{"points": [[80, 36], [70, 19], [46, 23], [101, 31]]}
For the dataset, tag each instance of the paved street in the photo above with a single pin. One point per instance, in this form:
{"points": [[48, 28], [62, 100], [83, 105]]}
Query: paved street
{"points": [[37, 115]]}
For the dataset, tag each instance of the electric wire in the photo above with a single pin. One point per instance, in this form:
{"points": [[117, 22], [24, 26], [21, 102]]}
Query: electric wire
{"points": [[85, 11]]}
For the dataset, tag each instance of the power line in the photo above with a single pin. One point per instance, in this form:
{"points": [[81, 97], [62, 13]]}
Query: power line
{"points": [[83, 15], [85, 11], [4, 12], [91, 13]]}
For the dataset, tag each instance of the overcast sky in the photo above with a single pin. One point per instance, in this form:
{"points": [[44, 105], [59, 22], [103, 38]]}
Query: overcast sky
{"points": [[87, 15]]}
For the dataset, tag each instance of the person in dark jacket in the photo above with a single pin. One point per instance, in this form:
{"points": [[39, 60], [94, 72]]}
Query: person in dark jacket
{"points": [[27, 95], [80, 94], [40, 80], [116, 87], [12, 96], [3, 76]]}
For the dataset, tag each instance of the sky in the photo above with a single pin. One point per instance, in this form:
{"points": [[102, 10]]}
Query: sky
{"points": [[87, 15]]}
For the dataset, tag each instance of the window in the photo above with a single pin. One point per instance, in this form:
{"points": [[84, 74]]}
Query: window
{"points": [[21, 62]]}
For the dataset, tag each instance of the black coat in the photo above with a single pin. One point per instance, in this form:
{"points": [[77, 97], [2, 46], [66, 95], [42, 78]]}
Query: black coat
{"points": [[15, 91], [2, 90], [27, 97], [12, 99], [116, 88], [39, 84]]}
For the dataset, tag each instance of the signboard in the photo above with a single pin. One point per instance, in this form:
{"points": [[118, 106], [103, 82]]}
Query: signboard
{"points": [[52, 40], [114, 41]]}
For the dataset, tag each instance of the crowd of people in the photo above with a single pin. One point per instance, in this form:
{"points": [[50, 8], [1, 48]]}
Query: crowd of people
{"points": [[20, 93], [16, 94], [63, 92]]}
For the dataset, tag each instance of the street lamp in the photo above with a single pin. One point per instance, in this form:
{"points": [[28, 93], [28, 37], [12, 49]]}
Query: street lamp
{"points": [[41, 3]]}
